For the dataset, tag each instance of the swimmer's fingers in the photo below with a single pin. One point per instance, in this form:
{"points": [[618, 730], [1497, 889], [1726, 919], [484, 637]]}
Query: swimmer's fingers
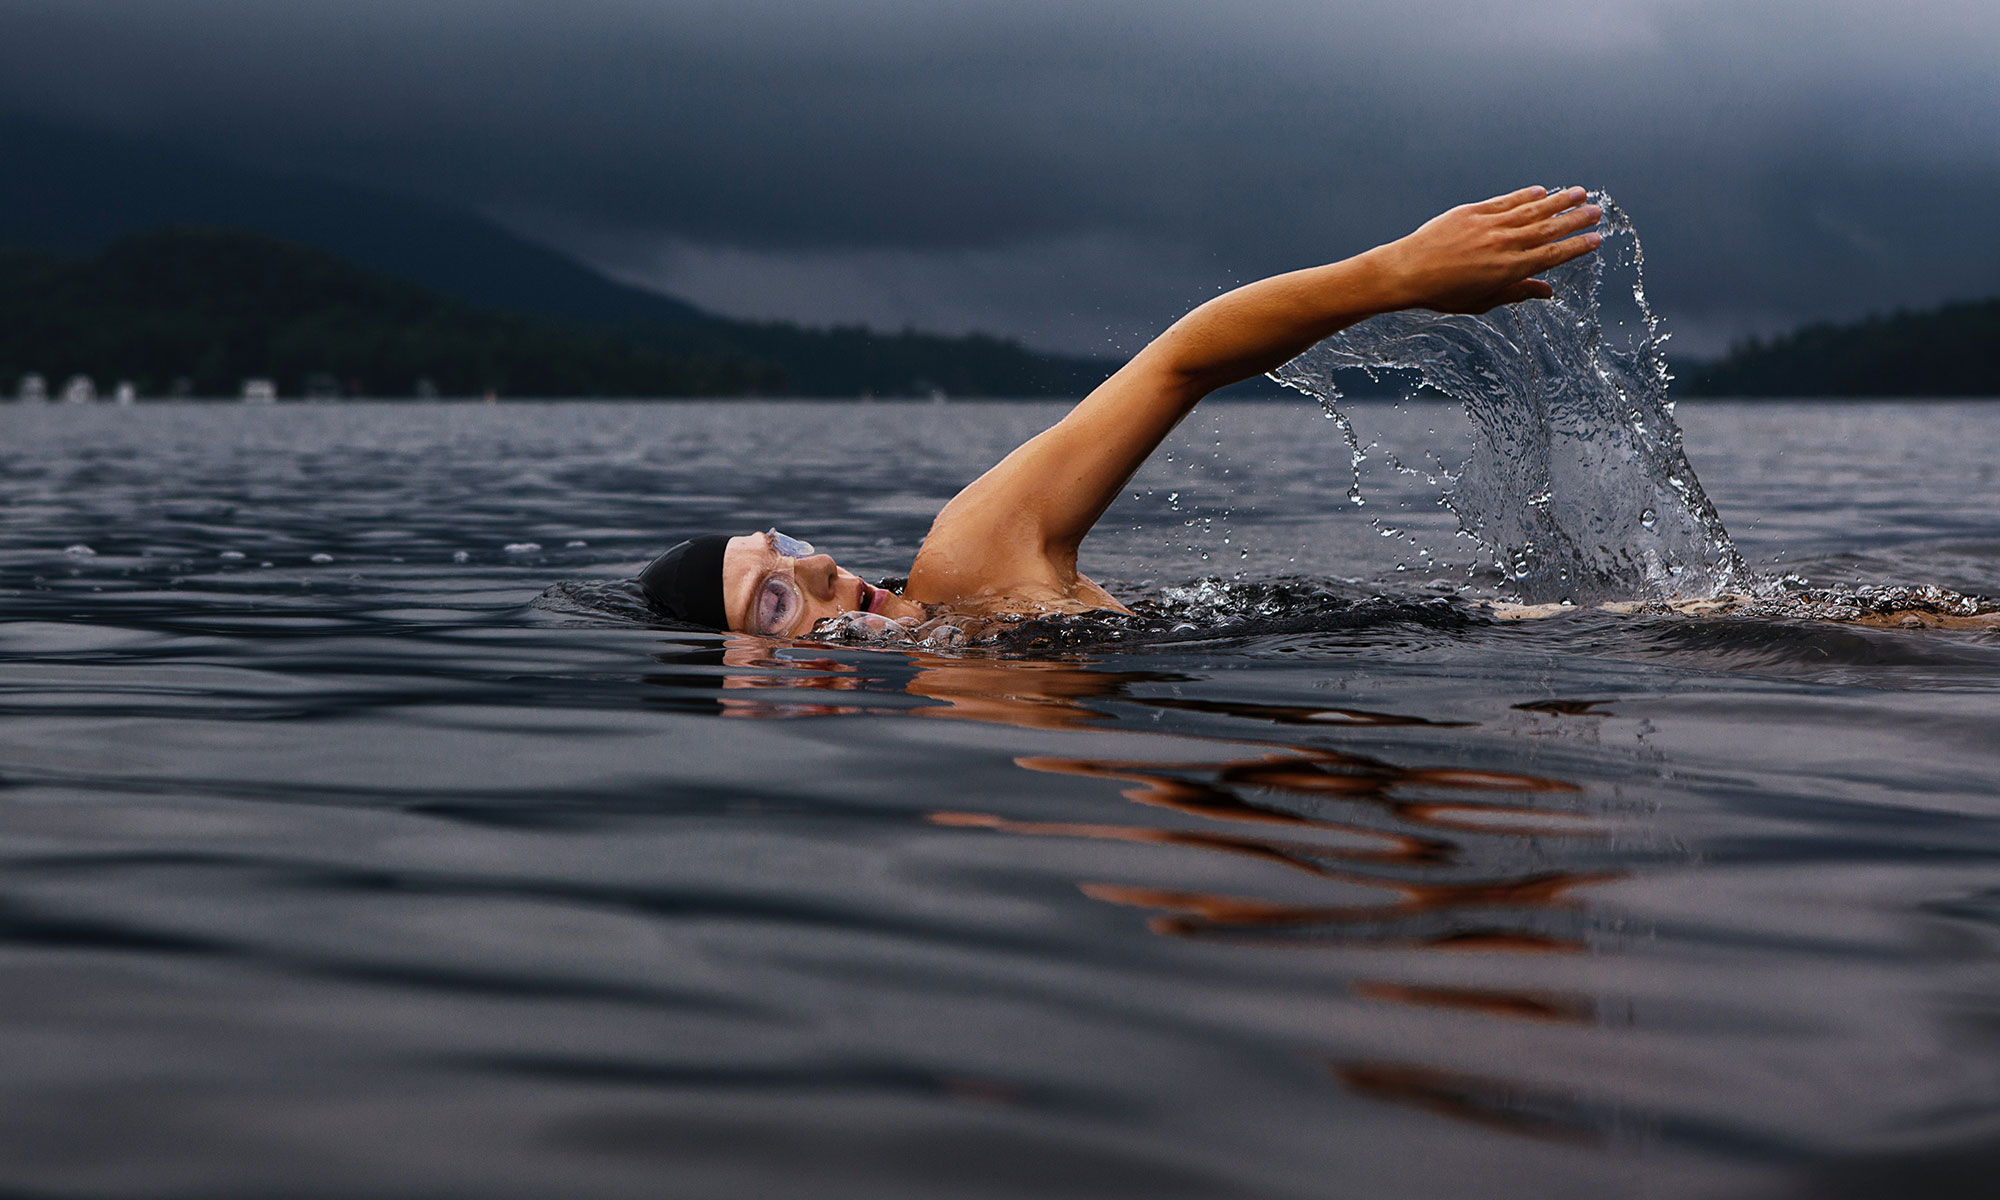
{"points": [[1553, 255], [1559, 201], [1556, 254], [1512, 200], [1560, 226]]}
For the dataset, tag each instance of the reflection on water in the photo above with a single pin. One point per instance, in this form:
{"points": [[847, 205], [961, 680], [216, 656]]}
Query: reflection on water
{"points": [[1421, 840], [1396, 831], [1498, 1104]]}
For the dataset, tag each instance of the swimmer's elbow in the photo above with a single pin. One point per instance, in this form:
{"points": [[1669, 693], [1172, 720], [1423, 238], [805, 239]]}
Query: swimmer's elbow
{"points": [[1177, 371], [1208, 350]]}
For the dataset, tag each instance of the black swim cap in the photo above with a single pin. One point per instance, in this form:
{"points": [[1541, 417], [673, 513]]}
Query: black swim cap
{"points": [[685, 583]]}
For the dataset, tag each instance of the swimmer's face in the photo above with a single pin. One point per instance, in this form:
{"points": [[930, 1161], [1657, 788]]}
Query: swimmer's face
{"points": [[774, 585]]}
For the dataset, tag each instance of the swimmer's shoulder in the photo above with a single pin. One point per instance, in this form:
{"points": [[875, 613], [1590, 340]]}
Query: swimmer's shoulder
{"points": [[976, 556], [988, 556], [1019, 597], [1001, 577]]}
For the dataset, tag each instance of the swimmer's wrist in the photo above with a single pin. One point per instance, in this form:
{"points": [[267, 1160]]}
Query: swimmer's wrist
{"points": [[1338, 294], [1389, 280]]}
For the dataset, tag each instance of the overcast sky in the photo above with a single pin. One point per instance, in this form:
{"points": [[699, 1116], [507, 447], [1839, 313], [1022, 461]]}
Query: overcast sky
{"points": [[1077, 173]]}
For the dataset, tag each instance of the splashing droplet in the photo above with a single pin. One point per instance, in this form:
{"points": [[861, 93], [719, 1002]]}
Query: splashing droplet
{"points": [[1574, 440]]}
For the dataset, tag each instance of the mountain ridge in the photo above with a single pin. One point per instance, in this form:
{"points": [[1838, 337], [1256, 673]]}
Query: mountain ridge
{"points": [[68, 193], [201, 312]]}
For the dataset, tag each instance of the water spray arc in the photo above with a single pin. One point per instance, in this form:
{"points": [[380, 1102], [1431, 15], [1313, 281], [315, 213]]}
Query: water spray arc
{"points": [[1576, 488]]}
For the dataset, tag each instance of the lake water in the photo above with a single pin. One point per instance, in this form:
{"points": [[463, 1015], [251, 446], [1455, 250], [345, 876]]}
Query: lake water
{"points": [[342, 855]]}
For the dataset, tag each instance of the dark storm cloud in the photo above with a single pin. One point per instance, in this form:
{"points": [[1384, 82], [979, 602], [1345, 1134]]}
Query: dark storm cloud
{"points": [[1056, 168]]}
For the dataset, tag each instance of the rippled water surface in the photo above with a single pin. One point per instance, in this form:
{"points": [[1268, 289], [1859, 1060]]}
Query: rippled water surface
{"points": [[341, 855]]}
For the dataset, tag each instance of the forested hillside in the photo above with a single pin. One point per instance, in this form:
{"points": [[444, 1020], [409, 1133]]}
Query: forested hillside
{"points": [[1948, 351], [193, 311]]}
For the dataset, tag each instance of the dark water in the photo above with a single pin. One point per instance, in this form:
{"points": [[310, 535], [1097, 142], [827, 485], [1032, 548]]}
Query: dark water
{"points": [[378, 876]]}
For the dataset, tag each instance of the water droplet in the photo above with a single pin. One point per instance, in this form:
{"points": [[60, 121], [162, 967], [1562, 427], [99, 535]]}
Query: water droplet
{"points": [[1570, 390], [522, 547], [1649, 518], [231, 555], [460, 556], [79, 550], [322, 557]]}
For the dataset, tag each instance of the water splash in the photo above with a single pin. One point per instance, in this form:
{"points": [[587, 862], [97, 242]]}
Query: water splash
{"points": [[1577, 488], [1202, 610]]}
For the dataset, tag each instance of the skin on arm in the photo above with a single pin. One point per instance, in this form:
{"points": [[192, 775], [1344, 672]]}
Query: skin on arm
{"points": [[1011, 536]]}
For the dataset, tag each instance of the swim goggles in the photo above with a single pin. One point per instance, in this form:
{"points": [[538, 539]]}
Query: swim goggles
{"points": [[778, 603]]}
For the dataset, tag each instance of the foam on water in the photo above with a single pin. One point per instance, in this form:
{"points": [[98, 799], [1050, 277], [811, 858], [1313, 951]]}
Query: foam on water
{"points": [[1576, 487], [1198, 611]]}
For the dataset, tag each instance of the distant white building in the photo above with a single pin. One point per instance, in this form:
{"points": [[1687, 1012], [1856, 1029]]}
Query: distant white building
{"points": [[33, 390], [259, 391], [79, 390]]}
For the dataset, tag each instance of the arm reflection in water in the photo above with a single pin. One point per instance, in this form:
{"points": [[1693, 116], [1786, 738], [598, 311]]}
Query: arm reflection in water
{"points": [[1023, 693], [1508, 913], [1397, 828], [1434, 839]]}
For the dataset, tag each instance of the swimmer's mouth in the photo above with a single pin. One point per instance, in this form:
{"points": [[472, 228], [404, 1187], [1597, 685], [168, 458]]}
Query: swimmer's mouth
{"points": [[867, 598]]}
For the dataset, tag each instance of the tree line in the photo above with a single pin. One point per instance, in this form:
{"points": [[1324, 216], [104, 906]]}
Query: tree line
{"points": [[200, 311], [1953, 350]]}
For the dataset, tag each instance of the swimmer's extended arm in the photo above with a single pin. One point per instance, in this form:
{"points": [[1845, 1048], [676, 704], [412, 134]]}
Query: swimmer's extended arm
{"points": [[1041, 500]]}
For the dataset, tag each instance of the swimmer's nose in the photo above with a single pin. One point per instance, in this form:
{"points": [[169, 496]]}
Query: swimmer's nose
{"points": [[817, 572]]}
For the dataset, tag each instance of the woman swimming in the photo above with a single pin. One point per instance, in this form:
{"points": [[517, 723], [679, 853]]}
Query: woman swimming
{"points": [[1008, 542]]}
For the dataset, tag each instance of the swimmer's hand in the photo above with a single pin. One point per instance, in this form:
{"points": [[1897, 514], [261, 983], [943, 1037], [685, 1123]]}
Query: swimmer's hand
{"points": [[1479, 256]]}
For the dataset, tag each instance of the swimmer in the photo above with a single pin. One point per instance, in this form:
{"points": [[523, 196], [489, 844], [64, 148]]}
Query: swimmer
{"points": [[1007, 543]]}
